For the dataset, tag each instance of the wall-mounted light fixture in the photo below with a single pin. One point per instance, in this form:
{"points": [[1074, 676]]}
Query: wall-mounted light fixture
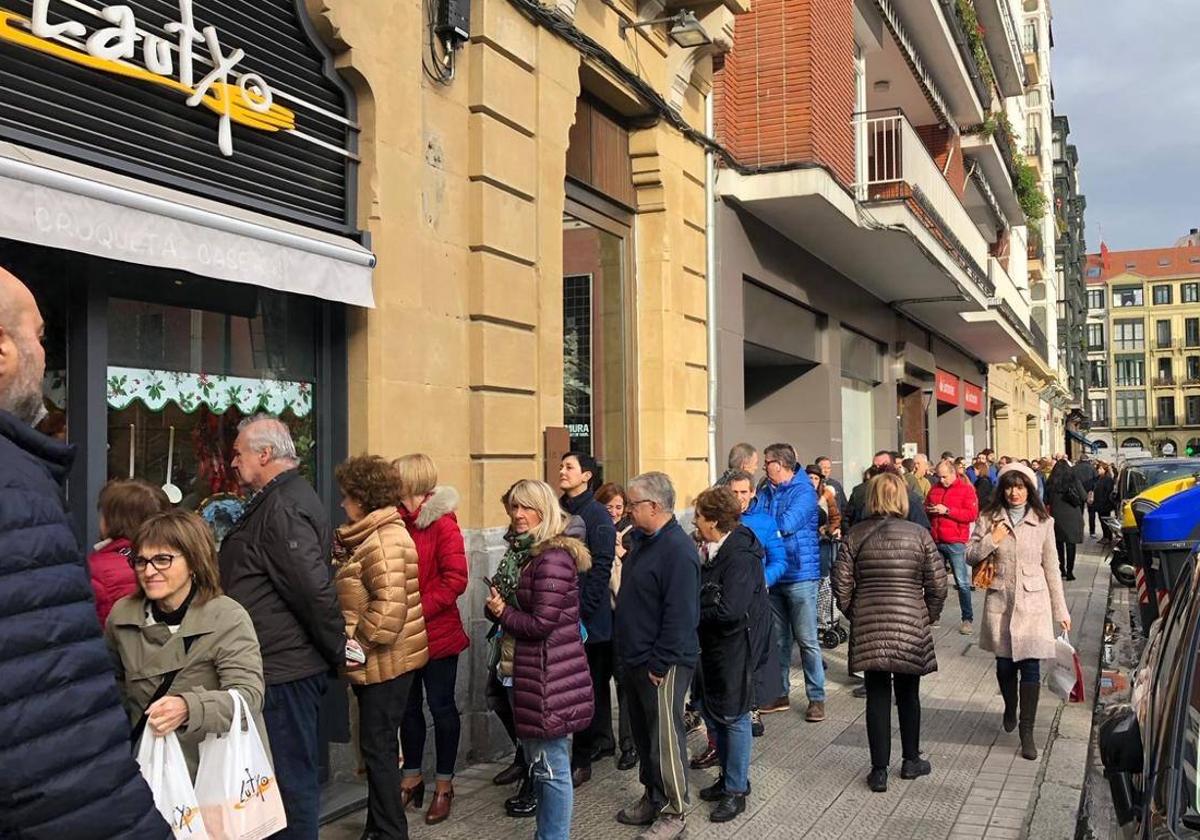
{"points": [[686, 31]]}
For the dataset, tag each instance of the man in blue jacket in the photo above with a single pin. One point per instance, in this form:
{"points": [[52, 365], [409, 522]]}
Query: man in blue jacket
{"points": [[791, 500], [64, 737]]}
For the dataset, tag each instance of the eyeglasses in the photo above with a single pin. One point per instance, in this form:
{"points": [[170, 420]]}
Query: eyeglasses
{"points": [[769, 462], [160, 562], [635, 502]]}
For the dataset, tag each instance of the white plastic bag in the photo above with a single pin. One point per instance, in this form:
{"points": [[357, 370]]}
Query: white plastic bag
{"points": [[1062, 676], [235, 783], [166, 772]]}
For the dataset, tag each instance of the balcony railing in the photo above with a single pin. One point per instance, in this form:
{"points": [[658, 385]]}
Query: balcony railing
{"points": [[1167, 420], [1165, 381], [974, 71], [1039, 339], [1138, 422], [893, 164], [1029, 40], [1191, 380], [1165, 344]]}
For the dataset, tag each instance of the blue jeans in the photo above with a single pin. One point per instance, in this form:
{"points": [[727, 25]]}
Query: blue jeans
{"points": [[1030, 670], [291, 712], [794, 609], [550, 764], [956, 556], [733, 748]]}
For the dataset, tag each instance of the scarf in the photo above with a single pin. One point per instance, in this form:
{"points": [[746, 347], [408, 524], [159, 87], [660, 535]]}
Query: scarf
{"points": [[511, 564], [1016, 515]]}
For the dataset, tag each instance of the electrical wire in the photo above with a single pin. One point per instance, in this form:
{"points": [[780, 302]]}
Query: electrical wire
{"points": [[441, 70]]}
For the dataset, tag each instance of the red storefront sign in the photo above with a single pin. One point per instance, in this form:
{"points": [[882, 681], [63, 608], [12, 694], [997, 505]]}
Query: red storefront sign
{"points": [[946, 386], [972, 398]]}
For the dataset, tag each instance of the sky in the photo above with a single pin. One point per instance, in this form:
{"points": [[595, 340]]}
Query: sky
{"points": [[1124, 73]]}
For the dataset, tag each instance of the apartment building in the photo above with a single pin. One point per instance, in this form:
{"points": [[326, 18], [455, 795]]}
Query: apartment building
{"points": [[1069, 249], [1143, 349], [872, 268]]}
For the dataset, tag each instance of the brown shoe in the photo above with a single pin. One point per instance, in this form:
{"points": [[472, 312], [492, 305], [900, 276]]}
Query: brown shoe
{"points": [[779, 704], [439, 808], [816, 712]]}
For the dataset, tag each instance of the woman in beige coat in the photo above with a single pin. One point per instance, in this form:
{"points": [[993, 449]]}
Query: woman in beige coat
{"points": [[377, 585], [1024, 602]]}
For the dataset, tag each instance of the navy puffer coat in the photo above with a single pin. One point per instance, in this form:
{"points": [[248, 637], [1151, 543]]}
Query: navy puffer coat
{"points": [[64, 738], [552, 687]]}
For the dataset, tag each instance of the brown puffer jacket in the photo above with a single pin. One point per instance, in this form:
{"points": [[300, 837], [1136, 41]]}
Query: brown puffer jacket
{"points": [[890, 581], [378, 589]]}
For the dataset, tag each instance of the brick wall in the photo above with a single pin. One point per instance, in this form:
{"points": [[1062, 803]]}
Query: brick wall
{"points": [[942, 143], [785, 93]]}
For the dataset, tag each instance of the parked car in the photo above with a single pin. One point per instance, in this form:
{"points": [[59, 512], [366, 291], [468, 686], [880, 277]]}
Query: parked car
{"points": [[1149, 746], [1168, 534], [1135, 510]]}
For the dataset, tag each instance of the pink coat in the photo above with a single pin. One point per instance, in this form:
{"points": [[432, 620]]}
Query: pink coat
{"points": [[1025, 602]]}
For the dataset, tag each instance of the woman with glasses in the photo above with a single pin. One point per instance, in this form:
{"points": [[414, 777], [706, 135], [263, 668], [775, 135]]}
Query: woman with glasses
{"points": [[178, 644]]}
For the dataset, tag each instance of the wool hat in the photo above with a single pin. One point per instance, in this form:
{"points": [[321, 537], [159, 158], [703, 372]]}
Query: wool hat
{"points": [[1021, 468]]}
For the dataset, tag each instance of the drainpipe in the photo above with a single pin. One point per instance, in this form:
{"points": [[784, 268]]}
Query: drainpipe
{"points": [[710, 278]]}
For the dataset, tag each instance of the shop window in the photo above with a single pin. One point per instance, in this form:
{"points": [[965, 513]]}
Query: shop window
{"points": [[1131, 443]]}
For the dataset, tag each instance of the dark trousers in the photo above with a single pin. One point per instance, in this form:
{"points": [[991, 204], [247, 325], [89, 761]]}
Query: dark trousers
{"points": [[380, 709], [291, 713], [656, 719], [435, 683], [766, 686], [1091, 520], [624, 732], [1066, 558], [880, 685], [1030, 670], [599, 734]]}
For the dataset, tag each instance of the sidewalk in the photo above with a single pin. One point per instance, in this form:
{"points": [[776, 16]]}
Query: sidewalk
{"points": [[809, 779]]}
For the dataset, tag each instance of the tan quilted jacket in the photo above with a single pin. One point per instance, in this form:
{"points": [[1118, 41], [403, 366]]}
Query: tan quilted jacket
{"points": [[380, 598]]}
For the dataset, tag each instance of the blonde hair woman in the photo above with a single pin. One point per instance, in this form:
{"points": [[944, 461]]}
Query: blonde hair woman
{"points": [[889, 579]]}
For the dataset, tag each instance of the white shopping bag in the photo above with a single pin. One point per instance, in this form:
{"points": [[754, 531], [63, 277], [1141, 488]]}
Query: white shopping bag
{"points": [[1062, 675], [235, 784], [166, 772]]}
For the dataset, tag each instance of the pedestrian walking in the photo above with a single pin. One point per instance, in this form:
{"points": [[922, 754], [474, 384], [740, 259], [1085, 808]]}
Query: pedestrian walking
{"points": [[1065, 499], [1103, 496], [551, 683], [953, 508], [791, 500], [612, 496], [275, 563], [743, 457], [1024, 601], [891, 580], [732, 632], [656, 638], [123, 506], [576, 472], [428, 513], [70, 772], [181, 645]]}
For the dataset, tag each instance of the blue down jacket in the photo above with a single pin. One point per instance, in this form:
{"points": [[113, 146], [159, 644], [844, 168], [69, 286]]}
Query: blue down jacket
{"points": [[64, 738], [793, 504]]}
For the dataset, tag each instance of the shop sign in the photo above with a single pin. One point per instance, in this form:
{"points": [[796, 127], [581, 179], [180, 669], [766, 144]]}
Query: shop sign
{"points": [[946, 386], [972, 398]]}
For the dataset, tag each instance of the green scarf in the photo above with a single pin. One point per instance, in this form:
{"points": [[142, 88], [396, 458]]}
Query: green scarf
{"points": [[509, 570]]}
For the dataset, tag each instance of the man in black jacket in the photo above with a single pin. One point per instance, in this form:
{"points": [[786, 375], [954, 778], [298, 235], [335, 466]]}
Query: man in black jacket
{"points": [[275, 563], [64, 737], [658, 610], [576, 474]]}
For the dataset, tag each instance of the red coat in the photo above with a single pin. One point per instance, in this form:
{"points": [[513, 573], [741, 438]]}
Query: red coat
{"points": [[954, 526], [112, 579], [441, 571]]}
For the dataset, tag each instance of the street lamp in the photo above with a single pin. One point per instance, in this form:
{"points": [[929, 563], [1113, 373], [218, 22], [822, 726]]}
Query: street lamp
{"points": [[686, 31]]}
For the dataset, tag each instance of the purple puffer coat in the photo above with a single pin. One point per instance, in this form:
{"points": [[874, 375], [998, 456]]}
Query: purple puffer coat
{"points": [[552, 687]]}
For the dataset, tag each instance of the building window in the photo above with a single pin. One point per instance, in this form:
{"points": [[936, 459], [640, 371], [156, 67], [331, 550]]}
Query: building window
{"points": [[1095, 297], [1098, 410], [1094, 271], [1132, 443], [1191, 406], [1162, 334], [1033, 99], [1098, 374], [1127, 296], [1131, 408], [1191, 332], [1129, 335], [1095, 336], [1193, 369], [1130, 371], [1162, 295], [1189, 293], [1165, 375], [1166, 411]]}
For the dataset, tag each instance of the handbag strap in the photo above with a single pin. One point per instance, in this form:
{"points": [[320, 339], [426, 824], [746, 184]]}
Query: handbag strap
{"points": [[159, 693]]}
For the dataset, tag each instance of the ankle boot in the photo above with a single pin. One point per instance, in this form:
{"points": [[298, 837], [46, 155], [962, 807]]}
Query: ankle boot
{"points": [[1008, 690], [1029, 699]]}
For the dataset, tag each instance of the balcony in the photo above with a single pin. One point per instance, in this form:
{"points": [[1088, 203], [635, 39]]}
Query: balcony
{"points": [[1030, 53], [1191, 382], [993, 156], [1164, 381], [1166, 421], [1000, 38]]}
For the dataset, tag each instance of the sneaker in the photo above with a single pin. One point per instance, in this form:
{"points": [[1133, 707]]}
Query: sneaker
{"points": [[692, 722], [706, 759], [779, 704], [815, 712], [666, 827], [642, 813], [877, 780], [965, 628], [756, 725], [915, 769], [728, 808]]}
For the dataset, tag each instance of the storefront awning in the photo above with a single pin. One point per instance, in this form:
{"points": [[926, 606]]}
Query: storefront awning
{"points": [[1078, 438], [50, 201]]}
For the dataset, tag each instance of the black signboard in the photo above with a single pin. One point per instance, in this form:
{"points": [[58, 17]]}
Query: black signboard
{"points": [[234, 100]]}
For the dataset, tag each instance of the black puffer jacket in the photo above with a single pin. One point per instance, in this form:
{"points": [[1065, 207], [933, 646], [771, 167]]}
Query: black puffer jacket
{"points": [[890, 580]]}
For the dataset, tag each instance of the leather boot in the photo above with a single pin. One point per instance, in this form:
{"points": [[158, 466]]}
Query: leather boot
{"points": [[1008, 690], [439, 808], [525, 803], [1029, 699]]}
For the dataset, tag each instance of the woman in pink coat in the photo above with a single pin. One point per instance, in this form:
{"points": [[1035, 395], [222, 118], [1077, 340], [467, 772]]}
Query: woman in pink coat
{"points": [[1024, 603]]}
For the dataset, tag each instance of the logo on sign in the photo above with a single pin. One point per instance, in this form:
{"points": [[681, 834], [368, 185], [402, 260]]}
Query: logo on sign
{"points": [[946, 388], [244, 98]]}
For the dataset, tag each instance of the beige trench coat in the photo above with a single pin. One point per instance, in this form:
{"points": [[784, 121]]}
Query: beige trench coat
{"points": [[1025, 602]]}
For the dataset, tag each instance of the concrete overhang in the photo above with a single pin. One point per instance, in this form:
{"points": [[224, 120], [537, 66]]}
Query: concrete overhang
{"points": [[1003, 48], [984, 152], [938, 50]]}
